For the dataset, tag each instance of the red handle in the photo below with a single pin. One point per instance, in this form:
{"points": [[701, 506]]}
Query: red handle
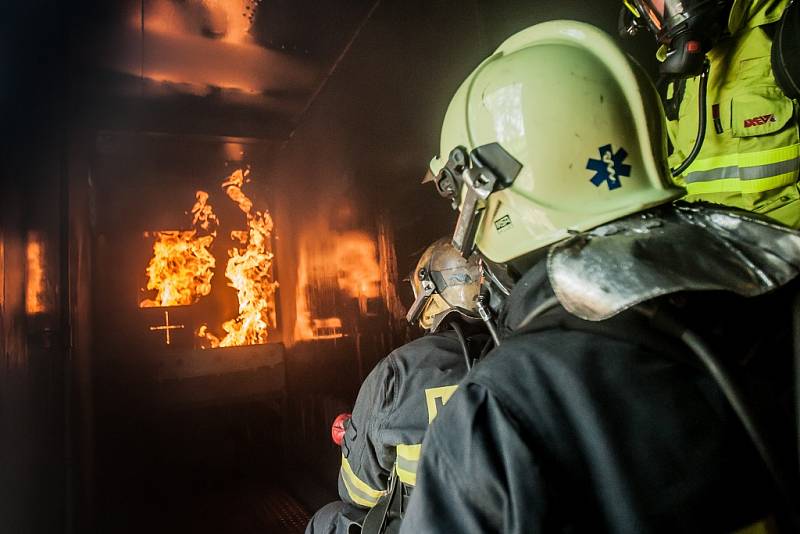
{"points": [[338, 427]]}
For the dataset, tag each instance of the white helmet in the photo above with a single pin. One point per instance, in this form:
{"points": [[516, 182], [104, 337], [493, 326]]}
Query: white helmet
{"points": [[558, 131]]}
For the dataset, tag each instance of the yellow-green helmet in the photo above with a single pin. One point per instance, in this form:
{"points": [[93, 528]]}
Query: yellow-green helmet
{"points": [[558, 131], [444, 283]]}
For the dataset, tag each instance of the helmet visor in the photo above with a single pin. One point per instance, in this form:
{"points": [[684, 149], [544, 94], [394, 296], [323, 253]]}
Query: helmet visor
{"points": [[661, 15], [459, 286]]}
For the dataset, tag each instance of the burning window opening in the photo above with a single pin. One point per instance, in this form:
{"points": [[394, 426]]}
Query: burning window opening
{"points": [[345, 263], [182, 265], [249, 271]]}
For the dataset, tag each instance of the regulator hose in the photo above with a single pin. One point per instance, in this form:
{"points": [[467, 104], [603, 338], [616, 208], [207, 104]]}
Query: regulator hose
{"points": [[796, 347], [667, 323], [701, 122], [463, 342]]}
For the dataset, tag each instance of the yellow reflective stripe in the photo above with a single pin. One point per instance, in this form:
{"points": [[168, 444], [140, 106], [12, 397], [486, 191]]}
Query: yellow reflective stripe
{"points": [[746, 159], [409, 452], [751, 172], [407, 462], [443, 394], [735, 185], [357, 489], [356, 497], [406, 477]]}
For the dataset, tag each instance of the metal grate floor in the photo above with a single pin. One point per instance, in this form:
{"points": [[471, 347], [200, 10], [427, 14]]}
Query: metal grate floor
{"points": [[231, 510], [283, 513]]}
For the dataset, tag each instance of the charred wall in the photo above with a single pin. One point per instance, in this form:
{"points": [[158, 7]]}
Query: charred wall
{"points": [[35, 389]]}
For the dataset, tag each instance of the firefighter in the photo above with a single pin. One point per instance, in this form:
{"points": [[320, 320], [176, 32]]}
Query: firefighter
{"points": [[404, 392], [598, 411], [733, 128]]}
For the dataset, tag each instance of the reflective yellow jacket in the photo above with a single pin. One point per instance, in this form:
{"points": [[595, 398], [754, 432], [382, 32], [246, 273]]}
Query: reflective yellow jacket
{"points": [[751, 152]]}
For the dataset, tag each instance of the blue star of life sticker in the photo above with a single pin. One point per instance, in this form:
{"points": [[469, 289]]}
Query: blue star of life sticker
{"points": [[609, 168]]}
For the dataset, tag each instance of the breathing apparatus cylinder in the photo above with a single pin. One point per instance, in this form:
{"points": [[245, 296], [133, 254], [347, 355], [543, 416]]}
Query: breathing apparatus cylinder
{"points": [[786, 52]]}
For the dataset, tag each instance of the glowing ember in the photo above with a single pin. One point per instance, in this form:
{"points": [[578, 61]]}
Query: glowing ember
{"points": [[249, 271], [182, 265]]}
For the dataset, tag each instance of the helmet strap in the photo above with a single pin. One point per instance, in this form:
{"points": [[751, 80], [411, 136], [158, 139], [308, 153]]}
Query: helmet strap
{"points": [[488, 168], [479, 183]]}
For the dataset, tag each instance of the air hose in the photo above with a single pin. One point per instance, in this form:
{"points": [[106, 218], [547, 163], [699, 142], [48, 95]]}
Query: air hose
{"points": [[796, 347], [701, 123], [486, 317], [463, 342], [733, 394]]}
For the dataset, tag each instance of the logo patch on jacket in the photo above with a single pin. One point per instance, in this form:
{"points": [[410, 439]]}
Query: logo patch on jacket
{"points": [[609, 168], [758, 121], [502, 223]]}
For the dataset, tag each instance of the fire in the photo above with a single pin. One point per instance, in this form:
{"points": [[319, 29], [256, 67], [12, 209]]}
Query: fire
{"points": [[182, 265], [227, 20], [249, 271], [356, 258], [35, 286], [345, 262], [234, 18], [303, 328]]}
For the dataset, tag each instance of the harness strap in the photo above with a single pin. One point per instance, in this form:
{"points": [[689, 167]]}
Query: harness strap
{"points": [[385, 517]]}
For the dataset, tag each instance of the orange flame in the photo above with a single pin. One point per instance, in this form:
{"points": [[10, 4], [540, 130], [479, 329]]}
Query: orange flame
{"points": [[356, 258], [228, 20], [249, 271], [35, 286], [350, 260], [303, 329], [182, 265]]}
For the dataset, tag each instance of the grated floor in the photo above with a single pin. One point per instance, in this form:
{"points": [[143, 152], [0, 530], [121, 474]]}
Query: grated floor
{"points": [[259, 510], [280, 511], [231, 510]]}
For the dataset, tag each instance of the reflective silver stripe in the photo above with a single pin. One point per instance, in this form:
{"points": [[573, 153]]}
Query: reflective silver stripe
{"points": [[720, 173], [745, 173], [407, 465], [771, 169]]}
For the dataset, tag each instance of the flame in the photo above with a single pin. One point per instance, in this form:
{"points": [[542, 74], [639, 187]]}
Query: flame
{"points": [[347, 262], [235, 16], [35, 286], [249, 271], [182, 265], [227, 20], [359, 274], [302, 326]]}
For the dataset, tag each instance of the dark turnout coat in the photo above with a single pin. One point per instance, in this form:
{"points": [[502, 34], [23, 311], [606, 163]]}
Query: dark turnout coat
{"points": [[608, 428], [395, 404]]}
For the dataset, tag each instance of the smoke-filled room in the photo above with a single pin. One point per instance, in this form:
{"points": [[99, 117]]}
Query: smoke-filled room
{"points": [[400, 267]]}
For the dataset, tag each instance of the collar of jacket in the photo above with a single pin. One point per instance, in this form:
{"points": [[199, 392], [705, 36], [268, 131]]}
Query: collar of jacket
{"points": [[747, 14], [598, 274], [531, 290]]}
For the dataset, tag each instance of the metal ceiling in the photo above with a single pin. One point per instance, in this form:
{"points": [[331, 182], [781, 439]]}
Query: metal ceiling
{"points": [[236, 68]]}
